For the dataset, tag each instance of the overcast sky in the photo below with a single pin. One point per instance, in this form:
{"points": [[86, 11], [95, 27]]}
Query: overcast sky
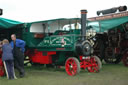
{"points": [[37, 10]]}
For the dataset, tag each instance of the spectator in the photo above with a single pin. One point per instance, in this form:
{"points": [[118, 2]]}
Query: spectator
{"points": [[18, 52], [7, 58]]}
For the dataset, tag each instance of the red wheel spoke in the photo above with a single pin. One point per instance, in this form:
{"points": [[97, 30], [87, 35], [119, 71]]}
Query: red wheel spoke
{"points": [[70, 62], [73, 73], [68, 66], [95, 69]]}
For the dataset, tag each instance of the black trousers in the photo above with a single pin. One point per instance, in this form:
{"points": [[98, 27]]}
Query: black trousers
{"points": [[9, 67], [19, 61]]}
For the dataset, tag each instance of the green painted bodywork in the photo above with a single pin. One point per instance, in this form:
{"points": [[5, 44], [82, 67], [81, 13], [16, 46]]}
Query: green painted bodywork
{"points": [[60, 42], [56, 38], [31, 42], [51, 42]]}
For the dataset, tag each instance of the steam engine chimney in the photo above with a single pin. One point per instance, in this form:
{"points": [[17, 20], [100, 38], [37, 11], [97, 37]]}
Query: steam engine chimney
{"points": [[83, 24]]}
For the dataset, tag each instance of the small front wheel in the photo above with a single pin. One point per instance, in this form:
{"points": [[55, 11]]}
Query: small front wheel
{"points": [[72, 66]]}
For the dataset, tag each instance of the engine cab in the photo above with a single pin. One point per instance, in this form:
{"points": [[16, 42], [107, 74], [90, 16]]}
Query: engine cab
{"points": [[40, 32]]}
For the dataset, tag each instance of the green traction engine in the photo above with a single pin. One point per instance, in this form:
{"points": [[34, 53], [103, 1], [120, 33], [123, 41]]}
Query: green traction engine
{"points": [[61, 42]]}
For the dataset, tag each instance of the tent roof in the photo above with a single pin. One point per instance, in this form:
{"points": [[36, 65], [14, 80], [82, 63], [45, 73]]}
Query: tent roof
{"points": [[106, 24], [7, 23], [56, 20], [99, 26]]}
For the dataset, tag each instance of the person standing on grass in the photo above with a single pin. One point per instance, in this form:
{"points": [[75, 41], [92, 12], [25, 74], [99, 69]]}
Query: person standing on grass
{"points": [[7, 58], [18, 52]]}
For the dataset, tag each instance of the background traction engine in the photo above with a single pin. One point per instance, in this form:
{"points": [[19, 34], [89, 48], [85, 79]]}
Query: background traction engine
{"points": [[124, 45], [113, 47]]}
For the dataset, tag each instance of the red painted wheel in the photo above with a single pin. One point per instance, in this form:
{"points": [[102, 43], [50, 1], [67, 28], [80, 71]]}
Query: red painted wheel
{"points": [[95, 64], [1, 68], [72, 66], [125, 59]]}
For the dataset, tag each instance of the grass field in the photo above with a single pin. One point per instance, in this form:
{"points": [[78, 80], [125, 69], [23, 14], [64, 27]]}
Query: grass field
{"points": [[109, 75]]}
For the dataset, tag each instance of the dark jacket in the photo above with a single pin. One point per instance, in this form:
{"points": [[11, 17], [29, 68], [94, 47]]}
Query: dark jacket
{"points": [[19, 44], [7, 52]]}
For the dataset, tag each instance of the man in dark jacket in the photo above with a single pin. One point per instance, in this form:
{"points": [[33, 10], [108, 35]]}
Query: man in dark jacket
{"points": [[18, 52]]}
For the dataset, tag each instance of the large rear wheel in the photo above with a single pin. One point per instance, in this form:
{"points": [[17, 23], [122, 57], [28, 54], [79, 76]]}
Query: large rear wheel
{"points": [[125, 59], [72, 66], [112, 57], [95, 64]]}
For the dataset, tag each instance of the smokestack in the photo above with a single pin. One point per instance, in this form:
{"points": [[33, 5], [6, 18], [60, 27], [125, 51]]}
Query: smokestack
{"points": [[83, 23]]}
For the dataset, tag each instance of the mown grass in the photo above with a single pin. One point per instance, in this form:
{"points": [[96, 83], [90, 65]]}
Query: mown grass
{"points": [[109, 75]]}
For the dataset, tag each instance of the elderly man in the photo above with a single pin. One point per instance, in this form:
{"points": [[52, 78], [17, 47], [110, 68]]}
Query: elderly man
{"points": [[18, 52]]}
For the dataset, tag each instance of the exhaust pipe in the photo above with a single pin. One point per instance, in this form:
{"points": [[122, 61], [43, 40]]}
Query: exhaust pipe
{"points": [[83, 24], [112, 10], [122, 8], [1, 11]]}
